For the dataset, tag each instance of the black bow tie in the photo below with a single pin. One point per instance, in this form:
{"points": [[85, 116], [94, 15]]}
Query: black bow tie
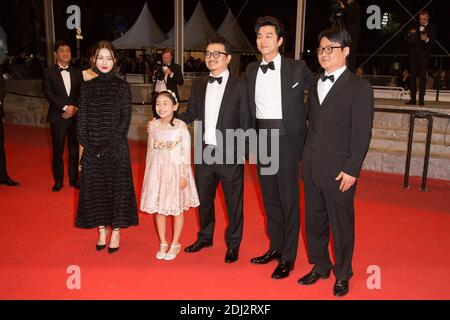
{"points": [[61, 69], [212, 79], [265, 67], [323, 77]]}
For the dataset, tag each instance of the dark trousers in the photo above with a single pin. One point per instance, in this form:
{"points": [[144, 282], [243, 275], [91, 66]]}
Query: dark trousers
{"points": [[280, 194], [419, 66], [207, 179], [3, 172], [59, 133], [330, 209]]}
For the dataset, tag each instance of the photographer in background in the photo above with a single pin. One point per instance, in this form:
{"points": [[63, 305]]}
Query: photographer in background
{"points": [[347, 15], [420, 39], [166, 76]]}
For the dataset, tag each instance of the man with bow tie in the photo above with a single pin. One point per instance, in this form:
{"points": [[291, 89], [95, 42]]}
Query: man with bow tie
{"points": [[220, 102], [419, 55], [276, 92], [61, 85], [340, 108]]}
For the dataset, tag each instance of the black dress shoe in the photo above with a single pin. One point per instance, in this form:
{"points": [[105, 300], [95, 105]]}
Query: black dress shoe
{"points": [[411, 102], [57, 187], [312, 278], [340, 288], [198, 245], [9, 182], [283, 269], [75, 184], [232, 255], [267, 257], [421, 103]]}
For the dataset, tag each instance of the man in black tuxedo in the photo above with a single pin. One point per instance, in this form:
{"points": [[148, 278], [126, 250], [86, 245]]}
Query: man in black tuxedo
{"points": [[166, 75], [340, 119], [61, 85], [421, 38], [276, 93], [220, 102], [4, 178]]}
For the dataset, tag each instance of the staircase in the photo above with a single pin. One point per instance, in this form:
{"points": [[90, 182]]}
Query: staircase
{"points": [[387, 152]]}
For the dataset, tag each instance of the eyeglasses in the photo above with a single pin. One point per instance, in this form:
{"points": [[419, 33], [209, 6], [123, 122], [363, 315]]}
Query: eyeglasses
{"points": [[215, 54], [327, 49]]}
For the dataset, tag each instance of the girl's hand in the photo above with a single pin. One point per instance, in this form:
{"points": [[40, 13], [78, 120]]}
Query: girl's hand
{"points": [[183, 183]]}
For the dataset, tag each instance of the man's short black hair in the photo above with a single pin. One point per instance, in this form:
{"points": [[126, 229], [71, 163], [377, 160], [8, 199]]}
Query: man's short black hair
{"points": [[274, 22], [340, 36], [270, 21], [220, 40], [59, 44]]}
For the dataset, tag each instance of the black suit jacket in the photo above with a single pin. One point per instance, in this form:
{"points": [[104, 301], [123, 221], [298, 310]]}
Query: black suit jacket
{"points": [[175, 81], [2, 95], [339, 130], [420, 47], [55, 92], [295, 78], [234, 112]]}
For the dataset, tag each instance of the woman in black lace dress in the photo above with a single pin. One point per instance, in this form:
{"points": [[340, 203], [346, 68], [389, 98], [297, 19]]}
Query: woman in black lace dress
{"points": [[107, 197]]}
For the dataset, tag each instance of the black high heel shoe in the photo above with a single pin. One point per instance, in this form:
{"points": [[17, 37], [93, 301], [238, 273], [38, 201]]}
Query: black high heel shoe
{"points": [[112, 250], [100, 247]]}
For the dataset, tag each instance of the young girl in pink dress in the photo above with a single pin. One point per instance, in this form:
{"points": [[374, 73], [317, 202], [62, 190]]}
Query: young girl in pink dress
{"points": [[169, 186]]}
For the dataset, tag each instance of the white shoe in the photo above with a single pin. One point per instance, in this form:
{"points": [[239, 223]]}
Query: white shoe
{"points": [[172, 253], [161, 254]]}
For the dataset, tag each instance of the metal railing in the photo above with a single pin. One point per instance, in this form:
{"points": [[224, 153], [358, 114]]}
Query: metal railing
{"points": [[417, 114]]}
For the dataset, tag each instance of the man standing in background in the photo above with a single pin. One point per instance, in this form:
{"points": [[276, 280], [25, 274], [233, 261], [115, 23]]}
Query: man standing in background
{"points": [[61, 85]]}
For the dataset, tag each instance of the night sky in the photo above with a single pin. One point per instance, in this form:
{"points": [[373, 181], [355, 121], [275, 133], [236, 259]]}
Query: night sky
{"points": [[96, 15]]}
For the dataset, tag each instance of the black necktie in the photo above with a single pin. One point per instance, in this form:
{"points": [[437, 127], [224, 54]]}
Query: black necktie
{"points": [[323, 77], [265, 67], [61, 69], [211, 79]]}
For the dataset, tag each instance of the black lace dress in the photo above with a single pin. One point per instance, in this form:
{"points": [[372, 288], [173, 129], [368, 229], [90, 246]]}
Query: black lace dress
{"points": [[107, 196]]}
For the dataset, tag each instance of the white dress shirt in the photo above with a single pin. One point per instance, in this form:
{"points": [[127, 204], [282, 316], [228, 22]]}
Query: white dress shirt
{"points": [[268, 91], [66, 79], [213, 100], [323, 87], [422, 28], [162, 84]]}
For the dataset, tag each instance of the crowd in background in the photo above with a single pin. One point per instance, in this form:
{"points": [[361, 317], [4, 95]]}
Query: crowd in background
{"points": [[30, 66]]}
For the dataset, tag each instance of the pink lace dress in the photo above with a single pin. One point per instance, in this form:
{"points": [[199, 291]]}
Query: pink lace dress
{"points": [[168, 160]]}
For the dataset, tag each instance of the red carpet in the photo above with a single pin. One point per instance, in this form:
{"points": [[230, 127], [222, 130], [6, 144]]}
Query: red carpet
{"points": [[404, 232]]}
